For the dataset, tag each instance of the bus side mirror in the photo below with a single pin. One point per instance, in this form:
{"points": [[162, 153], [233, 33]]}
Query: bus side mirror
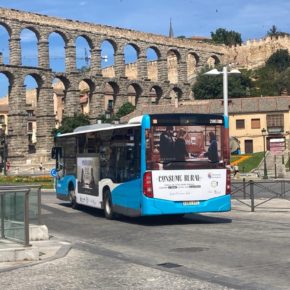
{"points": [[56, 152]]}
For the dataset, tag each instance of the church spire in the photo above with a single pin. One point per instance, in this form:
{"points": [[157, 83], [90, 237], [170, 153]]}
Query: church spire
{"points": [[171, 30]]}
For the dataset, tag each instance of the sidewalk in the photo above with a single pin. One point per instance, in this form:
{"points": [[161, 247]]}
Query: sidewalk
{"points": [[39, 252]]}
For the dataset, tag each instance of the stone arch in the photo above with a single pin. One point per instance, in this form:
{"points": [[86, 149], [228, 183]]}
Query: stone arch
{"points": [[34, 30], [111, 93], [152, 55], [131, 56], [32, 83], [83, 46], [5, 31], [213, 61], [58, 40], [108, 48], [134, 92], [192, 64], [155, 94], [29, 38], [60, 85], [175, 95], [173, 59], [86, 88], [7, 27]]}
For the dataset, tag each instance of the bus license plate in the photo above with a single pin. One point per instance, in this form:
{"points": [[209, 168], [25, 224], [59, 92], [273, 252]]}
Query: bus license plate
{"points": [[192, 202]]}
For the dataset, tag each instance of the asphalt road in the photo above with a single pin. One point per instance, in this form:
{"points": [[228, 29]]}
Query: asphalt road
{"points": [[235, 250]]}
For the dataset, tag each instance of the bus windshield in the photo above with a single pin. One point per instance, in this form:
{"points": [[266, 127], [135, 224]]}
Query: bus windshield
{"points": [[181, 146]]}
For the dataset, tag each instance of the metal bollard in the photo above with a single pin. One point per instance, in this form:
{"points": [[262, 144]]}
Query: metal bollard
{"points": [[2, 217], [244, 188], [252, 197]]}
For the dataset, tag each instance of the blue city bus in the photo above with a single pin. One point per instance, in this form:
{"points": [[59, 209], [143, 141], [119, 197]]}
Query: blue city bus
{"points": [[153, 165]]}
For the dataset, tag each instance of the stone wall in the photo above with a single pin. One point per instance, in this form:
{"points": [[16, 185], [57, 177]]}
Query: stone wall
{"points": [[254, 53]]}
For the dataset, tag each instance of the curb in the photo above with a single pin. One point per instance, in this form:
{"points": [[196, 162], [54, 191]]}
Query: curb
{"points": [[60, 253]]}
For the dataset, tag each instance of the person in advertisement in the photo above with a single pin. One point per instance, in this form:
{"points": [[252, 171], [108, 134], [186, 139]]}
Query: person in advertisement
{"points": [[212, 151], [167, 145], [180, 146]]}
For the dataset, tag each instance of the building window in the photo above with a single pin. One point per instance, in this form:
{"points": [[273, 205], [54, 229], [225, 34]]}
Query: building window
{"points": [[255, 124], [240, 124], [276, 120], [30, 127], [30, 113], [110, 104]]}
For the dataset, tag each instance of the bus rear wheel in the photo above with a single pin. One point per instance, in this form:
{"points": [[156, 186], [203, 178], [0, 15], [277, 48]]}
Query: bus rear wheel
{"points": [[72, 198], [108, 209]]}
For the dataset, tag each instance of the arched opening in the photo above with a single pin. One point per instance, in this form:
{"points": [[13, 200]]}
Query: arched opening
{"points": [[131, 54], [31, 96], [172, 66], [4, 85], [83, 53], [175, 95], [4, 48], [110, 96], [59, 93], [152, 65], [29, 48], [155, 95], [4, 110], [192, 62], [56, 52], [134, 92], [86, 90], [213, 61], [108, 59]]}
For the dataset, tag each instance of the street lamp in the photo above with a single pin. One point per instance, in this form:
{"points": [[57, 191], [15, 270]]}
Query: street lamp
{"points": [[264, 133], [225, 73]]}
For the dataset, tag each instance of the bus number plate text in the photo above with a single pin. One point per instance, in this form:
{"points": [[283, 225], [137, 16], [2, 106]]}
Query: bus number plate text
{"points": [[192, 202]]}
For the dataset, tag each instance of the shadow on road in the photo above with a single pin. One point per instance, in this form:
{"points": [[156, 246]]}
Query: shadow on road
{"points": [[163, 220]]}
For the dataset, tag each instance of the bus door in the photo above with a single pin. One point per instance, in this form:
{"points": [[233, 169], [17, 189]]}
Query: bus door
{"points": [[125, 169]]}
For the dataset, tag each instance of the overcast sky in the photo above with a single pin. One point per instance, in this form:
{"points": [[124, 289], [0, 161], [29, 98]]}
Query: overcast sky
{"points": [[252, 18]]}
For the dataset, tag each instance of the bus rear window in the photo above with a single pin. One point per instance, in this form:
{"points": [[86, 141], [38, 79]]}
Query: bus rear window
{"points": [[184, 147]]}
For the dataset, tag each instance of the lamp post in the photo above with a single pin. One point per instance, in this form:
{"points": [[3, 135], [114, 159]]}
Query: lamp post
{"points": [[264, 132], [225, 74]]}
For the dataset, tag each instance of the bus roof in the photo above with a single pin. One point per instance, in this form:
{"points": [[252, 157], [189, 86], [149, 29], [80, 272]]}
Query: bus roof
{"points": [[98, 127]]}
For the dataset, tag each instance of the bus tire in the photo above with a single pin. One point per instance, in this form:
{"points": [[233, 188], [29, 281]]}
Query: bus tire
{"points": [[72, 198], [108, 209]]}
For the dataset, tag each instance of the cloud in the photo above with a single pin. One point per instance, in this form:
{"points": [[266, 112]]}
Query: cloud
{"points": [[83, 3]]}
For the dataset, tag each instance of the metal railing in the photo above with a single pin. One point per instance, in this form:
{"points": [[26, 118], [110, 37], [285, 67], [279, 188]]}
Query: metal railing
{"points": [[19, 206], [260, 192]]}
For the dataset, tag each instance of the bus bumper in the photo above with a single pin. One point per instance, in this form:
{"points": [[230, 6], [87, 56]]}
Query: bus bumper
{"points": [[153, 206]]}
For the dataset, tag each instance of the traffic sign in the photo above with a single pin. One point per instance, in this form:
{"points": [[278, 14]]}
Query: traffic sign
{"points": [[53, 172]]}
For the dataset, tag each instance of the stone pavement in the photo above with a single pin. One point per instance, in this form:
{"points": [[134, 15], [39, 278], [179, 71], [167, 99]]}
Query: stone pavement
{"points": [[55, 248]]}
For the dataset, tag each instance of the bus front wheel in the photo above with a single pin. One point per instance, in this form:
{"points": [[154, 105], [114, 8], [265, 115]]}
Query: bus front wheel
{"points": [[108, 210]]}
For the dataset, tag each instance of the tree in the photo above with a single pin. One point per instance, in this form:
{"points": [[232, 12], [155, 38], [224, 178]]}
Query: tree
{"points": [[211, 87], [222, 36], [279, 60], [70, 123], [274, 32], [124, 110]]}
